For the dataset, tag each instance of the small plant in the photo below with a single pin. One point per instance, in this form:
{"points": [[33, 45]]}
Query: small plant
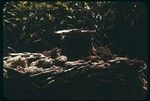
{"points": [[104, 53]]}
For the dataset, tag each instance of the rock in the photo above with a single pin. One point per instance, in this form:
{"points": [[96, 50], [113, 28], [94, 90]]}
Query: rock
{"points": [[60, 61], [44, 63], [119, 59], [31, 59], [16, 61], [126, 77], [38, 55], [61, 58], [6, 58], [74, 63], [33, 69]]}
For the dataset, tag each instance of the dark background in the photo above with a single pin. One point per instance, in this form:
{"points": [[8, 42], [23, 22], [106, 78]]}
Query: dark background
{"points": [[29, 26]]}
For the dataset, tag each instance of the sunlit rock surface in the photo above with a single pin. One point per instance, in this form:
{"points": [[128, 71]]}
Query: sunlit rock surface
{"points": [[34, 76]]}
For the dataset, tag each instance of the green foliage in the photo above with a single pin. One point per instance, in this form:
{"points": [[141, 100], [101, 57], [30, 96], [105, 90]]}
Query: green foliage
{"points": [[30, 25]]}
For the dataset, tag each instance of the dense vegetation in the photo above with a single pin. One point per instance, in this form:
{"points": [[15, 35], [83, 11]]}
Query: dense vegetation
{"points": [[121, 30], [29, 26]]}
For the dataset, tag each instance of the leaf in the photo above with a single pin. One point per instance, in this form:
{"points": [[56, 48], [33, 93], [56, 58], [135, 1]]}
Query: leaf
{"points": [[69, 17], [11, 13]]}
